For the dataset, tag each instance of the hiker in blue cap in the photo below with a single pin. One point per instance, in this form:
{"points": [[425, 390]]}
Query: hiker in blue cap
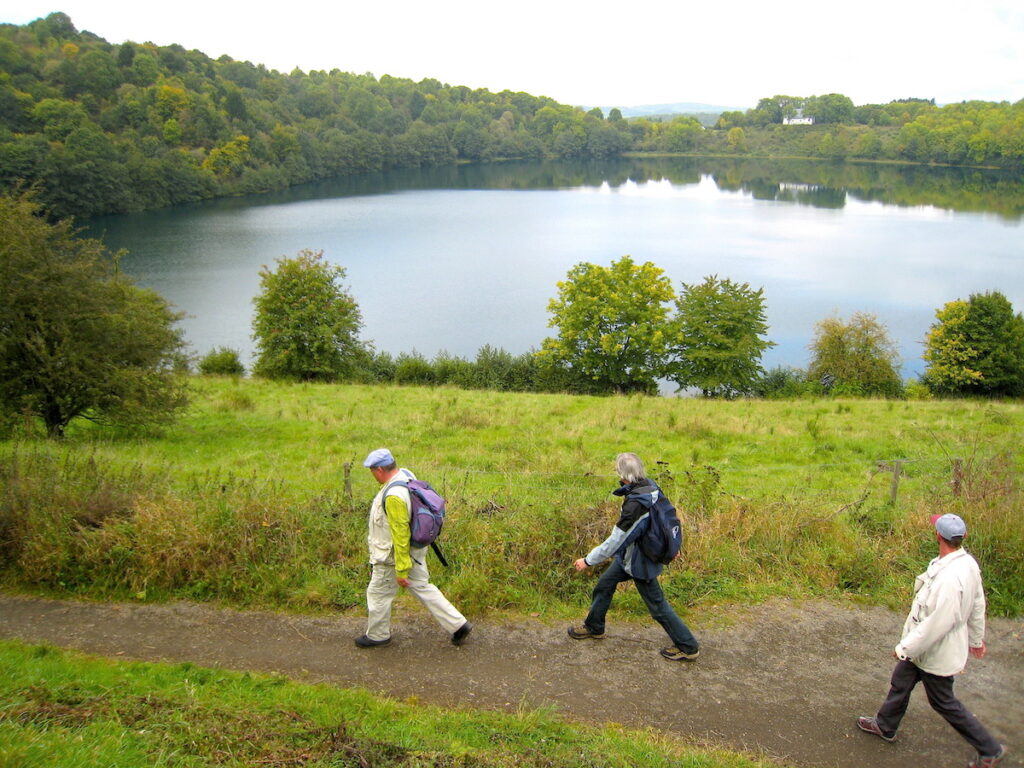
{"points": [[946, 625], [396, 561]]}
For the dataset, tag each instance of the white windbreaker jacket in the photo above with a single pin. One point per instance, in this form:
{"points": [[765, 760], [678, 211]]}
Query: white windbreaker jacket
{"points": [[379, 534], [947, 617]]}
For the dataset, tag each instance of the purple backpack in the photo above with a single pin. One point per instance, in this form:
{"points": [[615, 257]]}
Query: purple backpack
{"points": [[426, 512]]}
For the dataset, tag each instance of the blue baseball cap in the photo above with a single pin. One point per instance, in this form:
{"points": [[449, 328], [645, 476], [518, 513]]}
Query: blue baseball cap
{"points": [[949, 526], [379, 458]]}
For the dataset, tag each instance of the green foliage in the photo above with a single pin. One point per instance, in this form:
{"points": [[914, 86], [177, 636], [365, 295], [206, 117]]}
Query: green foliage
{"points": [[717, 344], [413, 368], [103, 129], [914, 130], [781, 382], [611, 325], [306, 325], [976, 347], [855, 357], [165, 125], [221, 361], [77, 338], [244, 501], [494, 368]]}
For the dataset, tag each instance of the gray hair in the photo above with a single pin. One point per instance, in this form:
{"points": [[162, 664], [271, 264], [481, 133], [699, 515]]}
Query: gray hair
{"points": [[629, 467]]}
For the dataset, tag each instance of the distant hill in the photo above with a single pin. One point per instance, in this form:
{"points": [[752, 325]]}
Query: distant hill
{"points": [[678, 108]]}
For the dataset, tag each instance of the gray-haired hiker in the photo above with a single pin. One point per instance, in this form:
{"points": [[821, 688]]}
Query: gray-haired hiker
{"points": [[396, 561], [945, 625], [630, 563]]}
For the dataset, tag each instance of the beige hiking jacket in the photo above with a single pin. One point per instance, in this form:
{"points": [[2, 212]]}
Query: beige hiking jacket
{"points": [[947, 617]]}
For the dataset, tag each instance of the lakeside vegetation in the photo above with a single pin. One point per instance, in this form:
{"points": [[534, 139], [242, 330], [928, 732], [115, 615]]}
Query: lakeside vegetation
{"points": [[65, 710], [247, 500], [106, 128]]}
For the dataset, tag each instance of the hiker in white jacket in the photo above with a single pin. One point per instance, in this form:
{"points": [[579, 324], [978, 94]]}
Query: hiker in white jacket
{"points": [[945, 625]]}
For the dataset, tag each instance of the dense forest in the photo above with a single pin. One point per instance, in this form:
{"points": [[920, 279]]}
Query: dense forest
{"points": [[104, 128]]}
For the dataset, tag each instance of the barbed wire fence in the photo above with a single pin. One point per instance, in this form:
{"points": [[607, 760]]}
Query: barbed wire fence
{"points": [[731, 480]]}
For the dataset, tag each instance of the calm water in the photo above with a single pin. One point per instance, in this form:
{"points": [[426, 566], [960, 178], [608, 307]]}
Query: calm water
{"points": [[452, 259]]}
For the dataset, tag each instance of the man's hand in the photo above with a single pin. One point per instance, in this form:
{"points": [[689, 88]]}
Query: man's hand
{"points": [[581, 564], [980, 651], [402, 582]]}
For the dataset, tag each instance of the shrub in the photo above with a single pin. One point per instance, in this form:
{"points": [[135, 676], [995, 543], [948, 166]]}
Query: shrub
{"points": [[413, 368], [781, 382], [221, 361]]}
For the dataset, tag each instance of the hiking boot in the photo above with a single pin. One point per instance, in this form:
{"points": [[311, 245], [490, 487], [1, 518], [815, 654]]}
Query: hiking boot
{"points": [[364, 642], [871, 725], [672, 653], [990, 761], [460, 634], [583, 632]]}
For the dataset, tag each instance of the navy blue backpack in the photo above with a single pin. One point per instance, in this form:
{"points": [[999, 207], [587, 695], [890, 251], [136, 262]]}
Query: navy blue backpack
{"points": [[664, 535]]}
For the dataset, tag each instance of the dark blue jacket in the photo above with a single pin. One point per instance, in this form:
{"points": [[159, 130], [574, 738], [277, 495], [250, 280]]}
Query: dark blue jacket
{"points": [[638, 498]]}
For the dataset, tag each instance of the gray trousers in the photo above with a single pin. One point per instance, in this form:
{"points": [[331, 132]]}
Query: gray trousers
{"points": [[380, 594], [940, 695]]}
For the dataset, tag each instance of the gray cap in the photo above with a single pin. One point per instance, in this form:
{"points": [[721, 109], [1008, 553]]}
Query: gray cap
{"points": [[949, 526], [379, 458]]}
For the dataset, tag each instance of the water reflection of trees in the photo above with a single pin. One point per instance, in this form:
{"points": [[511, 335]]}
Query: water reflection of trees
{"points": [[819, 184], [802, 182]]}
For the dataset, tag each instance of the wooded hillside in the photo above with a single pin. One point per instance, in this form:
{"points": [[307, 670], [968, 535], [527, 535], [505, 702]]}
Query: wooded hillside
{"points": [[107, 128]]}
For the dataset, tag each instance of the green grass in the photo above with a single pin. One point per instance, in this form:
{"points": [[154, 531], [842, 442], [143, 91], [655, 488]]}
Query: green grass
{"points": [[244, 501], [62, 709]]}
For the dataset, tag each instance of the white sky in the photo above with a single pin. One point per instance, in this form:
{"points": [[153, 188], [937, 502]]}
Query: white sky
{"points": [[595, 52]]}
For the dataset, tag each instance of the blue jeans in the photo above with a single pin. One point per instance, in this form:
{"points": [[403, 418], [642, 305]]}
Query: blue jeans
{"points": [[650, 591]]}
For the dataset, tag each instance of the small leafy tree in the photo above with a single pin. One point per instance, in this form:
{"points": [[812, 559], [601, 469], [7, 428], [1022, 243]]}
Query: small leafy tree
{"points": [[612, 325], [855, 357], [717, 344], [77, 338], [221, 361], [976, 347], [306, 325]]}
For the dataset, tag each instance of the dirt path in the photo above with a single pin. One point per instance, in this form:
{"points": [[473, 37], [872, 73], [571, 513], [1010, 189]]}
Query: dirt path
{"points": [[786, 680]]}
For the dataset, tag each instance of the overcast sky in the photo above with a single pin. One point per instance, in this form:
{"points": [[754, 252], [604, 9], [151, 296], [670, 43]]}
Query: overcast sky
{"points": [[728, 53]]}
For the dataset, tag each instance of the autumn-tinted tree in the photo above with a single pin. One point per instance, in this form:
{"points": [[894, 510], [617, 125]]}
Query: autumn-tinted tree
{"points": [[306, 325], [612, 325], [976, 347], [856, 357], [717, 342], [77, 338]]}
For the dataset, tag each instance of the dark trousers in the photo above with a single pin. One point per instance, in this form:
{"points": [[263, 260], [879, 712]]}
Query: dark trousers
{"points": [[650, 591], [940, 695]]}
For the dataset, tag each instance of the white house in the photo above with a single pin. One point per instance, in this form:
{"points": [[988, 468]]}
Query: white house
{"points": [[798, 119]]}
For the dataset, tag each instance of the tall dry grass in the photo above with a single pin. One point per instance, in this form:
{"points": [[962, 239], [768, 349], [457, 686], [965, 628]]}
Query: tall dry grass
{"points": [[71, 524]]}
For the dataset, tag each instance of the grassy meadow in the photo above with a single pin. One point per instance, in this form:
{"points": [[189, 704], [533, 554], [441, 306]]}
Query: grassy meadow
{"points": [[66, 710], [247, 500]]}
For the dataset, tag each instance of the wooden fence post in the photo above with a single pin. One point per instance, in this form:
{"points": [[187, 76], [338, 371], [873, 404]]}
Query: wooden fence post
{"points": [[348, 481], [897, 470], [896, 467], [958, 476]]}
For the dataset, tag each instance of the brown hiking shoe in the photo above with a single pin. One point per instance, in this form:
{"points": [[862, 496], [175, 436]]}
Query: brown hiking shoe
{"points": [[990, 761], [672, 653], [871, 725], [583, 632]]}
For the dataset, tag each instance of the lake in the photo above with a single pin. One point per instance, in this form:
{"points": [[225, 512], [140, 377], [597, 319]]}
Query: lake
{"points": [[458, 257]]}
